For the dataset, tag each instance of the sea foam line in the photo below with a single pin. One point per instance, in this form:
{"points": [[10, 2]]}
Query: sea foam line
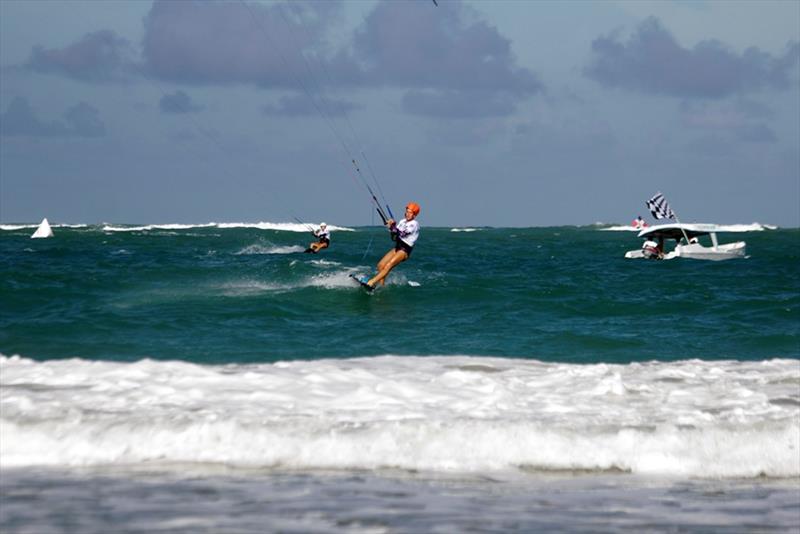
{"points": [[13, 227], [754, 227], [286, 227], [471, 414], [258, 249]]}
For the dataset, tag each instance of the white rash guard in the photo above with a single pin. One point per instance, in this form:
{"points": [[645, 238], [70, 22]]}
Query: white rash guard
{"points": [[408, 231]]}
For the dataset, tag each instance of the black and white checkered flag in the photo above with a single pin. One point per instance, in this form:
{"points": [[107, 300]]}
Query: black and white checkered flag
{"points": [[659, 208]]}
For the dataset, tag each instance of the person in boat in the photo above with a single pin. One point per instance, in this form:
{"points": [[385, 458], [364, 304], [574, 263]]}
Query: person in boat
{"points": [[404, 234], [653, 250], [323, 236], [639, 223]]}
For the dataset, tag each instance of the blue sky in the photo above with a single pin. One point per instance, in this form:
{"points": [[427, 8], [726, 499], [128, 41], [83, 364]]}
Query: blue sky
{"points": [[501, 113]]}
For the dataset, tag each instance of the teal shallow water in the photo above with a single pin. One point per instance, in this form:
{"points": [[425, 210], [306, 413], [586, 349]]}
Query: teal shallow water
{"points": [[225, 295]]}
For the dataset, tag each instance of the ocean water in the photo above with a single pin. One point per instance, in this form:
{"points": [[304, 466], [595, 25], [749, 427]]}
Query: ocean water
{"points": [[206, 378]]}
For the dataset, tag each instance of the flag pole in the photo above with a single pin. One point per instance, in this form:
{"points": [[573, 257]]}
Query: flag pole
{"points": [[686, 237]]}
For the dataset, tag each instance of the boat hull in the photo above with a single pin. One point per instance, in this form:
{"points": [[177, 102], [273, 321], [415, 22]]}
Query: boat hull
{"points": [[728, 251]]}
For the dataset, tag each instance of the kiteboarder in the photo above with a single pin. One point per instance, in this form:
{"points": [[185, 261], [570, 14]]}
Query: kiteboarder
{"points": [[324, 239], [404, 234]]}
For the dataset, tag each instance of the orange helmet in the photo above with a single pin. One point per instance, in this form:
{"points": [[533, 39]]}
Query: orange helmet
{"points": [[414, 207]]}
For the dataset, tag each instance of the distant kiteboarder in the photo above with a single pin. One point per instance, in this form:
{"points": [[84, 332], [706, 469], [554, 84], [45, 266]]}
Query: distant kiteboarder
{"points": [[404, 234], [323, 236]]}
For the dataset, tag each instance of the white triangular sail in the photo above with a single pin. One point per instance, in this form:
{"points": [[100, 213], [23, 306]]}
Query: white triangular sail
{"points": [[44, 230]]}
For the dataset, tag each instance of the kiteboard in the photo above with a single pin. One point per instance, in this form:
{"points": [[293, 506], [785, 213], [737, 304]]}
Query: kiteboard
{"points": [[363, 281]]}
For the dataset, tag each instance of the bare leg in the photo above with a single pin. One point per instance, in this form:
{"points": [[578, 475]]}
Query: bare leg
{"points": [[386, 258], [391, 260], [384, 262]]}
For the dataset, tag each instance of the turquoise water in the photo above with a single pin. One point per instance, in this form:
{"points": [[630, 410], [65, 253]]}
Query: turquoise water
{"points": [[246, 295]]}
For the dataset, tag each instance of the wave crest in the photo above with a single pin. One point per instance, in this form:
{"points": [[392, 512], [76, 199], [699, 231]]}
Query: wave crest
{"points": [[468, 414]]}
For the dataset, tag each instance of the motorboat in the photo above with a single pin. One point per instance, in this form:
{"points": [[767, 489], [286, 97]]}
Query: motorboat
{"points": [[687, 238]]}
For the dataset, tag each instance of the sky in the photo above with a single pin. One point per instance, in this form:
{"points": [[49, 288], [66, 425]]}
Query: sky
{"points": [[486, 113]]}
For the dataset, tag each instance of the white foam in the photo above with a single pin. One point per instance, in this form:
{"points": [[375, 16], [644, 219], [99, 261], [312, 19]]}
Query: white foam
{"points": [[148, 227], [464, 229], [287, 227], [621, 228], [324, 263], [246, 288], [691, 418], [754, 227], [270, 249], [13, 227], [329, 279], [332, 280]]}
